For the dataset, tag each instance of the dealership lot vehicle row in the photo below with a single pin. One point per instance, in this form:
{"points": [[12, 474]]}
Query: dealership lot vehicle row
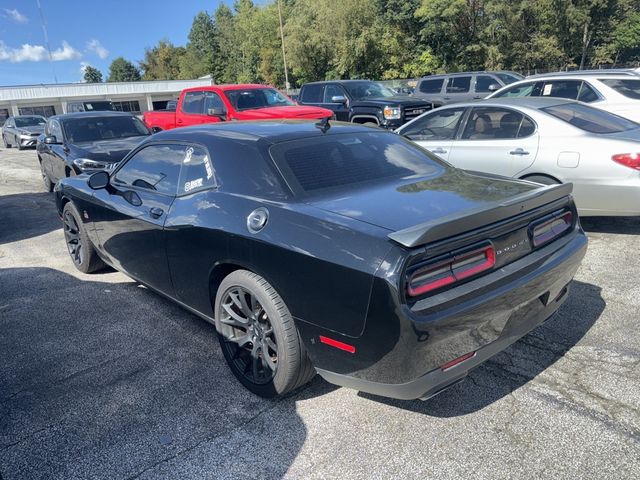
{"points": [[101, 378]]}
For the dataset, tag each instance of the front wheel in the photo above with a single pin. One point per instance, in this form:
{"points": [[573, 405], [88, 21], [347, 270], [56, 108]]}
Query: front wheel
{"points": [[259, 339], [80, 248], [5, 143]]}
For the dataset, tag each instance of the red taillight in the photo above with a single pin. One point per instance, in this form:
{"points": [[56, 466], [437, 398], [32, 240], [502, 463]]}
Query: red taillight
{"points": [[551, 229], [631, 160], [454, 269], [457, 361]]}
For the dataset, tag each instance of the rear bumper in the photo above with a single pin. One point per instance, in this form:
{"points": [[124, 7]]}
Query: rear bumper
{"points": [[485, 316]]}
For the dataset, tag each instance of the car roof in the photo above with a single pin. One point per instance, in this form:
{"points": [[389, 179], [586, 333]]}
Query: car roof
{"points": [[622, 72], [226, 87], [97, 113], [439, 75], [526, 102], [339, 81], [271, 131], [588, 76]]}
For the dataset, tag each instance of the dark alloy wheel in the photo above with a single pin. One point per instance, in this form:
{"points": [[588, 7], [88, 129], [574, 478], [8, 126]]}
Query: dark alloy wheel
{"points": [[258, 336], [79, 245], [251, 343]]}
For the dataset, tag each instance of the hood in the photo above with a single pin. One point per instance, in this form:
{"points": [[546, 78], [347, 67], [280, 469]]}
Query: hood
{"points": [[402, 100], [405, 203], [34, 129], [294, 111], [106, 150]]}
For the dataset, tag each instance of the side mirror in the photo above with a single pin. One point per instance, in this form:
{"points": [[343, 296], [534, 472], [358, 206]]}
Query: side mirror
{"points": [[51, 140], [99, 180], [216, 112], [338, 99], [494, 87], [155, 129]]}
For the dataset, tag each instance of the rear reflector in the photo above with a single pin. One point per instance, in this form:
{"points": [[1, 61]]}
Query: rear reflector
{"points": [[335, 343], [454, 269], [551, 229], [457, 361], [631, 160]]}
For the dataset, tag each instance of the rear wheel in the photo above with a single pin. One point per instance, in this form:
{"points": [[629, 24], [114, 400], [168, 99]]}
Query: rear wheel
{"points": [[80, 248], [258, 336]]}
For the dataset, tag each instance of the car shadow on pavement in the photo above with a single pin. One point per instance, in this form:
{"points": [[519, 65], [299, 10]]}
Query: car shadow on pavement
{"points": [[109, 380], [27, 215], [620, 225], [518, 364]]}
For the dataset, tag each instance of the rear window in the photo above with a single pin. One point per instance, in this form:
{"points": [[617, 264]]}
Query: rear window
{"points": [[590, 119], [628, 88], [314, 164], [312, 93]]}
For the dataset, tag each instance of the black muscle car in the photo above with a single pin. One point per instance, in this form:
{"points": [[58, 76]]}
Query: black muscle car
{"points": [[332, 248], [76, 143]]}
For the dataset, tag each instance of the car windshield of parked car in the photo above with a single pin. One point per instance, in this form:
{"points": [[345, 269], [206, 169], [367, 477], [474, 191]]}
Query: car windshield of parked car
{"points": [[30, 121], [252, 98], [628, 88], [590, 119], [365, 90], [311, 165], [92, 129], [507, 78]]}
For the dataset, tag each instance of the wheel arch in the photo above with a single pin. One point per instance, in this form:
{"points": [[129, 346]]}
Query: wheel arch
{"points": [[546, 175], [365, 118]]}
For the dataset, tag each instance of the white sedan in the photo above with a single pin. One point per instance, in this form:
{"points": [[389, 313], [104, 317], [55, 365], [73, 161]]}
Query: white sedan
{"points": [[545, 140]]}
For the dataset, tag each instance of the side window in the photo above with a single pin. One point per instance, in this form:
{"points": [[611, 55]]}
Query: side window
{"points": [[197, 171], [562, 88], [587, 93], [212, 100], [331, 91], [527, 127], [431, 86], [492, 123], [312, 93], [459, 85], [55, 130], [442, 124], [530, 89], [156, 167], [193, 103], [483, 82]]}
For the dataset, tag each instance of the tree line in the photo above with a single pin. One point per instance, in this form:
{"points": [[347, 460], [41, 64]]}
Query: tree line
{"points": [[389, 39]]}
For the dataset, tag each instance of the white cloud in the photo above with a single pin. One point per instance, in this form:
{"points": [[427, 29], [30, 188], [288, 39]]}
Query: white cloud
{"points": [[37, 53], [15, 15], [96, 47]]}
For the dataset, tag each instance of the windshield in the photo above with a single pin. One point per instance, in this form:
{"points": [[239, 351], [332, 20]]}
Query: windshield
{"points": [[364, 90], [251, 98], [590, 119], [90, 129], [628, 88], [314, 164], [30, 121]]}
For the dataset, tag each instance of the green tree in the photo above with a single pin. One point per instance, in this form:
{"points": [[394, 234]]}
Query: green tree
{"points": [[122, 70], [162, 62], [92, 75], [201, 50]]}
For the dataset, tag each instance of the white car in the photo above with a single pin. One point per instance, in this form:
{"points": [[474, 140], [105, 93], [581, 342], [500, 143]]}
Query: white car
{"points": [[616, 93], [545, 140]]}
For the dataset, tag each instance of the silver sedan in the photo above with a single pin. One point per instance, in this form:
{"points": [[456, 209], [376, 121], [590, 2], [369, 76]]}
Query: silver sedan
{"points": [[545, 140]]}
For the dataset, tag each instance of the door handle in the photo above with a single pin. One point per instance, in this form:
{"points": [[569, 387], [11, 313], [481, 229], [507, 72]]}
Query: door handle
{"points": [[438, 150], [156, 212], [519, 151]]}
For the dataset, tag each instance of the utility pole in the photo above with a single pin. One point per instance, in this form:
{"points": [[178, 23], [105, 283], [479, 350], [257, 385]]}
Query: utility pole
{"points": [[284, 56], [46, 40]]}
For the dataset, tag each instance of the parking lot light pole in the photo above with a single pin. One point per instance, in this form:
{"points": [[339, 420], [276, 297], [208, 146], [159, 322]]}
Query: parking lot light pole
{"points": [[284, 56]]}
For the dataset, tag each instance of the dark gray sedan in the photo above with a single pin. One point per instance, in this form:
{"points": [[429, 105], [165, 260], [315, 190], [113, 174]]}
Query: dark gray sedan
{"points": [[22, 131]]}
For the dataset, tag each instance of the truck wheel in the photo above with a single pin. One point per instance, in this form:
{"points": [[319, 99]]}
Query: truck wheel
{"points": [[259, 339], [80, 248]]}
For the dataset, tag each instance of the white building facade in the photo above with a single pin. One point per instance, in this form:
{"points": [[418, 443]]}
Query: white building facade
{"points": [[134, 97]]}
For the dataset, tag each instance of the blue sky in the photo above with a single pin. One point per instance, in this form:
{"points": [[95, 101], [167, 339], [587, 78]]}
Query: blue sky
{"points": [[86, 31]]}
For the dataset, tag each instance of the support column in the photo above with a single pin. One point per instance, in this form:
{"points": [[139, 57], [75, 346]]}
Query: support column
{"points": [[14, 109], [149, 102]]}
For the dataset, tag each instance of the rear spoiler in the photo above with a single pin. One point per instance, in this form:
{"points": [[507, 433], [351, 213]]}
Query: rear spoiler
{"points": [[468, 220]]}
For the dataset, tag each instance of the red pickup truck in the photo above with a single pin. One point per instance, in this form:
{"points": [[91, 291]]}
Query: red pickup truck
{"points": [[219, 103]]}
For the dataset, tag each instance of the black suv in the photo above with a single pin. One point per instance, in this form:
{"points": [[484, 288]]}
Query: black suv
{"points": [[363, 101], [462, 87]]}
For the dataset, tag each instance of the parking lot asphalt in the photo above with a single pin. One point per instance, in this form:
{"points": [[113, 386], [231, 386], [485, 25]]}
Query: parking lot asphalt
{"points": [[101, 378]]}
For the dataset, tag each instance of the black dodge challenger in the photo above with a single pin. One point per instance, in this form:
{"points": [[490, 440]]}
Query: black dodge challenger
{"points": [[332, 248]]}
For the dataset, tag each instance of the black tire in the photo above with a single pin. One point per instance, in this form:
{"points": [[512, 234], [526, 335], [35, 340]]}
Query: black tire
{"points": [[4, 141], [81, 250], [542, 179], [246, 346], [19, 145], [48, 184]]}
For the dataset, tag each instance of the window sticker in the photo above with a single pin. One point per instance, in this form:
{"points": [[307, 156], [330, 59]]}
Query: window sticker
{"points": [[208, 167], [188, 186], [187, 155], [547, 89]]}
